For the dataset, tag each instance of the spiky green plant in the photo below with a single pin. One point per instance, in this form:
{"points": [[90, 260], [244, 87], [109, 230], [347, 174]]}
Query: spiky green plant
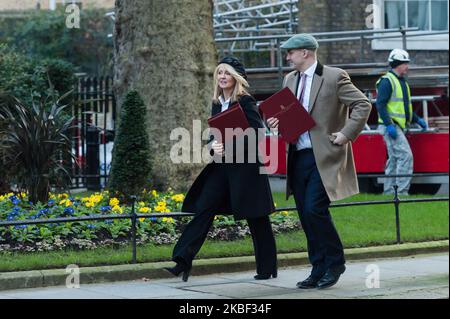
{"points": [[34, 143]]}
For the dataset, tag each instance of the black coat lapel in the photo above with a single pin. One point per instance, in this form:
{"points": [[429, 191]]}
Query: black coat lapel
{"points": [[216, 108]]}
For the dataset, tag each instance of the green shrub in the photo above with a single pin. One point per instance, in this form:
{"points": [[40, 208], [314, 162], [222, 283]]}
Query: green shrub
{"points": [[130, 168], [27, 78], [42, 34]]}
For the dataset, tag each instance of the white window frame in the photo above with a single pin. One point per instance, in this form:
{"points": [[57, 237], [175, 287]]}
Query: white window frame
{"points": [[429, 43]]}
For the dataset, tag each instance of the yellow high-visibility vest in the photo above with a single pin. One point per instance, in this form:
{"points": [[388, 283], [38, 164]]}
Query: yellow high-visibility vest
{"points": [[396, 105]]}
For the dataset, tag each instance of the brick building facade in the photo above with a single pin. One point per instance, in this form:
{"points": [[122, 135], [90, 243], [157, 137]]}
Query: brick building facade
{"points": [[344, 15]]}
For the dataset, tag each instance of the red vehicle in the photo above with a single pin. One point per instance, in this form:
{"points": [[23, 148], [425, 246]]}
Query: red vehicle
{"points": [[430, 149]]}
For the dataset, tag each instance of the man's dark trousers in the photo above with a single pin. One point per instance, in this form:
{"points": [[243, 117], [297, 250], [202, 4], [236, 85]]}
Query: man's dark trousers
{"points": [[325, 248]]}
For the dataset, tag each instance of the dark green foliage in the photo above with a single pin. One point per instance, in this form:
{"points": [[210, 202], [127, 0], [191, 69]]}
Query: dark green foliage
{"points": [[28, 79], [130, 169], [42, 34], [4, 185], [34, 145]]}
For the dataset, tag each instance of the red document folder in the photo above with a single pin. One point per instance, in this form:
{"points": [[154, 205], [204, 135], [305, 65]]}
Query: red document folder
{"points": [[294, 119], [234, 117]]}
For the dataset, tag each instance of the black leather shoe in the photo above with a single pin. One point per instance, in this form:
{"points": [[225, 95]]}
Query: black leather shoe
{"points": [[178, 269], [308, 283], [331, 277], [266, 276]]}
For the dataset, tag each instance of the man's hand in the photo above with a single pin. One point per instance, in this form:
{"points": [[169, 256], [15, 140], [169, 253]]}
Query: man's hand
{"points": [[273, 122], [392, 131], [339, 139], [217, 148], [422, 124]]}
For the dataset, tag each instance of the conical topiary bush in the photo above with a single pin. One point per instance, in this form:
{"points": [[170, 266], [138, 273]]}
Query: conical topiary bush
{"points": [[130, 169]]}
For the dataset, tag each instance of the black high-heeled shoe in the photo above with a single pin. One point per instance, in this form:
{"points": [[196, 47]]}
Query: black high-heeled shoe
{"points": [[266, 276], [186, 274], [178, 269]]}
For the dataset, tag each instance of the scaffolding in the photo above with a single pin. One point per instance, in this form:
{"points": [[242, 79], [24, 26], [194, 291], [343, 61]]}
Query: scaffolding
{"points": [[248, 18], [253, 30]]}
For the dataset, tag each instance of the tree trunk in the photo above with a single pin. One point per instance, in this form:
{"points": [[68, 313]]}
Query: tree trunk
{"points": [[165, 50]]}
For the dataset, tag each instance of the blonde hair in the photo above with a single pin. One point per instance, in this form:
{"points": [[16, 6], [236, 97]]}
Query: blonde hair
{"points": [[239, 87]]}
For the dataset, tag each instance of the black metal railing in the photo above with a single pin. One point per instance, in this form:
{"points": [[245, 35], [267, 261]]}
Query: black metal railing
{"points": [[94, 124], [133, 216]]}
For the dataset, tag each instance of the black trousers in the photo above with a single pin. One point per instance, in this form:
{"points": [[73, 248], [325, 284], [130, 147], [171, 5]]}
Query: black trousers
{"points": [[196, 231], [325, 248]]}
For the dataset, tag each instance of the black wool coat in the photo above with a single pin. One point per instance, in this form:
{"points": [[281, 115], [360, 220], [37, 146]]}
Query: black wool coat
{"points": [[247, 192]]}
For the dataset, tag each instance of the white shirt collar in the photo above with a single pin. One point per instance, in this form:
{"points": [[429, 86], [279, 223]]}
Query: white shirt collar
{"points": [[222, 101], [310, 71]]}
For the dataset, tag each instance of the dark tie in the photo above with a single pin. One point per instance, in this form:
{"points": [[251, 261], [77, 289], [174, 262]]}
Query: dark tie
{"points": [[302, 90]]}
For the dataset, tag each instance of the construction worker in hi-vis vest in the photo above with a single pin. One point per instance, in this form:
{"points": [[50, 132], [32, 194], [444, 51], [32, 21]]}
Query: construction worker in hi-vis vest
{"points": [[395, 115]]}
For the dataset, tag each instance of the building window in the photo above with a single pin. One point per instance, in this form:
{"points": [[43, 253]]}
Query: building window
{"points": [[427, 15], [416, 13]]}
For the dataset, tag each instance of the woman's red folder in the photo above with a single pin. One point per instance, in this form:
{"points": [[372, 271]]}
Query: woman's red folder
{"points": [[234, 117], [294, 119]]}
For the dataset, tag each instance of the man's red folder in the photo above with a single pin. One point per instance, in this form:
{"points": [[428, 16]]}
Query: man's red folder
{"points": [[234, 117], [294, 119]]}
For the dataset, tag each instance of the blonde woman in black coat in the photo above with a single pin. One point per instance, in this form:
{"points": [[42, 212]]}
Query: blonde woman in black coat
{"points": [[236, 188]]}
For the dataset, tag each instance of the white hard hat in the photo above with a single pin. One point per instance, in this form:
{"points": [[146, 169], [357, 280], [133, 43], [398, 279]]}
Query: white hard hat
{"points": [[398, 55]]}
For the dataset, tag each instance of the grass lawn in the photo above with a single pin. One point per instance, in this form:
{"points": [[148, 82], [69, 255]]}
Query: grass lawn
{"points": [[358, 227]]}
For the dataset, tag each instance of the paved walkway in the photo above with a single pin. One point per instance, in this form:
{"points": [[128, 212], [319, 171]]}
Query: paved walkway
{"points": [[422, 276]]}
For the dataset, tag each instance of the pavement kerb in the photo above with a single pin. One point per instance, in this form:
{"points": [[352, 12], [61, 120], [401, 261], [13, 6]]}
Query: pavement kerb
{"points": [[57, 277]]}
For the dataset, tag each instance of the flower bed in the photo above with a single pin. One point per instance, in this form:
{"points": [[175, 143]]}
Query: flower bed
{"points": [[90, 234]]}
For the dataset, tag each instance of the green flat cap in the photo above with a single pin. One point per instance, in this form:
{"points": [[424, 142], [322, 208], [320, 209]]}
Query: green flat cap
{"points": [[301, 41]]}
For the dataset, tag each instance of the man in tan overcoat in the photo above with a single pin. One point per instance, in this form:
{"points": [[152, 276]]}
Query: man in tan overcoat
{"points": [[320, 166]]}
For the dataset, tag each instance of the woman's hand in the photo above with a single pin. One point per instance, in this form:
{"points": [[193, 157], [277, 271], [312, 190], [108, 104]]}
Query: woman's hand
{"points": [[272, 122], [217, 148]]}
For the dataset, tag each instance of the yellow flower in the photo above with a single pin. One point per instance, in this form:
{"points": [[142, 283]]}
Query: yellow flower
{"points": [[6, 196], [68, 203], [90, 204], [63, 196], [161, 209], [141, 204], [117, 209], [154, 193], [168, 220], [141, 219], [96, 198], [144, 210], [113, 202], [178, 198]]}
